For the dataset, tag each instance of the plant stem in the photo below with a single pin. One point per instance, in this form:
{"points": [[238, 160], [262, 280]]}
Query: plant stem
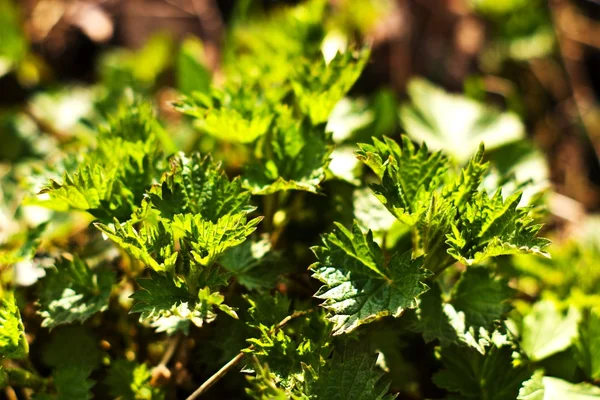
{"points": [[20, 377], [172, 346], [161, 373], [240, 356], [271, 202]]}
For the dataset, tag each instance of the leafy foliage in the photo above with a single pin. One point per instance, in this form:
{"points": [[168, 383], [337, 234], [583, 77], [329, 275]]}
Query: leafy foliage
{"points": [[455, 123], [294, 157], [198, 186], [425, 283], [547, 331], [13, 343], [359, 285], [230, 114], [111, 179], [541, 387], [254, 263], [170, 307], [73, 355], [129, 380], [319, 87], [450, 214], [154, 246], [351, 374], [72, 292], [477, 376]]}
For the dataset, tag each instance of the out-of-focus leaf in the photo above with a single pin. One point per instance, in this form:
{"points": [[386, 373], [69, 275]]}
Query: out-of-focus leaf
{"points": [[13, 343], [128, 380], [192, 74], [546, 331], [541, 387], [454, 123]]}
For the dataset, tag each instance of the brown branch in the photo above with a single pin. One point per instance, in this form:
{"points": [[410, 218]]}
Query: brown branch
{"points": [[571, 53], [240, 356], [211, 21], [161, 372]]}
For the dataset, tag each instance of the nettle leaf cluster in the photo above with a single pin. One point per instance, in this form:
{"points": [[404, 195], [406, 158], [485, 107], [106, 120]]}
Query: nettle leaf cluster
{"points": [[414, 290]]}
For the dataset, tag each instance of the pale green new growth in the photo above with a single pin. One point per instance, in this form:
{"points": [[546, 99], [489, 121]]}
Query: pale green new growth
{"points": [[455, 123], [111, 180], [154, 246], [13, 343], [541, 387], [208, 240], [196, 185], [319, 86], [492, 226], [546, 331], [409, 175], [360, 286], [294, 157], [451, 217], [231, 114]]}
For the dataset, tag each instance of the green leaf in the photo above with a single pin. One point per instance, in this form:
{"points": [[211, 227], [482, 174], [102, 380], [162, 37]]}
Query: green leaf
{"points": [[588, 344], [128, 380], [351, 374], [197, 185], [294, 157], [492, 226], [72, 292], [360, 286], [263, 385], [481, 297], [320, 85], [475, 376], [72, 383], [232, 114], [13, 343], [439, 319], [409, 175], [208, 240], [141, 68], [254, 264], [159, 301], [434, 318], [192, 75], [454, 123], [14, 42], [305, 340], [72, 348], [154, 246], [110, 181], [26, 248], [541, 387], [168, 306], [546, 331]]}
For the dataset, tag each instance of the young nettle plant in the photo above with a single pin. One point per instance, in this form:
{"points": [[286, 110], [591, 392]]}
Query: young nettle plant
{"points": [[192, 227]]}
